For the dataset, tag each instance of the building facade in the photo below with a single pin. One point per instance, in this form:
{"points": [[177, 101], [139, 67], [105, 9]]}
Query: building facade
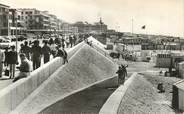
{"points": [[17, 25], [96, 28], [4, 16]]}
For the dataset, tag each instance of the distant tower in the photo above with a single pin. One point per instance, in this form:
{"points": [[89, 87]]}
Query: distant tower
{"points": [[101, 22]]}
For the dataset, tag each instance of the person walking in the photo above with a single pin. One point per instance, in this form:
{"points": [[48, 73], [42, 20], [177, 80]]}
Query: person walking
{"points": [[36, 51], [2, 59], [13, 60], [121, 76], [26, 50], [24, 68], [46, 52]]}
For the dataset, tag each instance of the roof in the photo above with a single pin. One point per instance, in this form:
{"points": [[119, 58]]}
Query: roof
{"points": [[180, 85], [4, 5]]}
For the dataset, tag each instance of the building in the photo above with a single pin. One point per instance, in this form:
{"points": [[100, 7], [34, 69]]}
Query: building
{"points": [[36, 21], [96, 28], [16, 24], [4, 16], [69, 28], [178, 95]]}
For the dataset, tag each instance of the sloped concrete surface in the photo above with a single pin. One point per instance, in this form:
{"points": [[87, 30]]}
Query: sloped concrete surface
{"points": [[142, 98], [87, 66]]}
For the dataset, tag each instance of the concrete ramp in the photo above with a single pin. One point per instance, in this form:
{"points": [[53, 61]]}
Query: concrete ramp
{"points": [[85, 68]]}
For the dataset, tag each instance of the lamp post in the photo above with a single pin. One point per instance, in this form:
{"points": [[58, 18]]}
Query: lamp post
{"points": [[16, 18]]}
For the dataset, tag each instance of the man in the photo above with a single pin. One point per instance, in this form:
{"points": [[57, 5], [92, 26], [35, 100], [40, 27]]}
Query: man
{"points": [[46, 52], [13, 60], [26, 49], [24, 68], [2, 58], [121, 76], [36, 51]]}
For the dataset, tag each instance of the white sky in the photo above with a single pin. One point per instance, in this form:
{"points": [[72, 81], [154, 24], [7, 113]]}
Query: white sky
{"points": [[159, 16]]}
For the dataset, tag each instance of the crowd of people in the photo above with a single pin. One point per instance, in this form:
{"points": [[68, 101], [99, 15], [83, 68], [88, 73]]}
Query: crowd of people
{"points": [[32, 52]]}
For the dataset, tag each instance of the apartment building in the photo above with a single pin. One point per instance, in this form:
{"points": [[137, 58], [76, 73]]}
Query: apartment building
{"points": [[16, 24], [4, 16]]}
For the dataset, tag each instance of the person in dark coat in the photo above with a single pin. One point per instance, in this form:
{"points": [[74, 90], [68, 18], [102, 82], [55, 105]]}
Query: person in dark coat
{"points": [[12, 61], [6, 57], [74, 40], [46, 51], [121, 76], [26, 50], [59, 52], [36, 51]]}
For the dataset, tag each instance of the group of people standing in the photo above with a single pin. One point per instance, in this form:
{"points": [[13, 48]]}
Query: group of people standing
{"points": [[29, 52], [9, 58], [35, 52]]}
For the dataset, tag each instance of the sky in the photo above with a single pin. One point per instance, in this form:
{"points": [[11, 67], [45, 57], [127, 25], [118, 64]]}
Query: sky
{"points": [[165, 17]]}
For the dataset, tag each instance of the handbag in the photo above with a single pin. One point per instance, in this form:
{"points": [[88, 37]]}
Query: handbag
{"points": [[6, 72]]}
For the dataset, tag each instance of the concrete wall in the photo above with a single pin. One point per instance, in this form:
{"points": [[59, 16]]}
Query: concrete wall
{"points": [[13, 95], [111, 106], [181, 99]]}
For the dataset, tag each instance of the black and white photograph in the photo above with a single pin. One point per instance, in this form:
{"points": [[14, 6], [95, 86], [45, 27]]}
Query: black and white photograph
{"points": [[91, 56]]}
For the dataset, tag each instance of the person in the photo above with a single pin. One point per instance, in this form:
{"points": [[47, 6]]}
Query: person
{"points": [[13, 60], [51, 41], [161, 88], [121, 76], [53, 49], [74, 40], [21, 48], [46, 52], [71, 41], [36, 51], [24, 68], [2, 58], [63, 42], [59, 52], [62, 53], [6, 57], [124, 69], [67, 41], [65, 56], [26, 49]]}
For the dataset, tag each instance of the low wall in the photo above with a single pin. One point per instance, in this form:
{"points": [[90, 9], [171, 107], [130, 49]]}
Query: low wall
{"points": [[112, 104], [14, 94]]}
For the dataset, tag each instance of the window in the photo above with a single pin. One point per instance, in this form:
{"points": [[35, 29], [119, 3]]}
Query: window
{"points": [[26, 12], [22, 13], [30, 12]]}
